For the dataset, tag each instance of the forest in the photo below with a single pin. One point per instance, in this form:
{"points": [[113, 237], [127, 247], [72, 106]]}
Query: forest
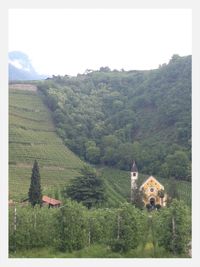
{"points": [[112, 117]]}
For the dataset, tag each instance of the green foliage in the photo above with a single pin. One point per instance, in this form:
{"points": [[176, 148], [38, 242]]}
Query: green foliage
{"points": [[173, 227], [100, 225], [74, 231], [145, 115], [35, 191], [178, 164], [32, 136], [138, 198], [71, 224], [93, 154], [172, 192], [96, 251], [33, 227], [88, 188], [127, 230]]}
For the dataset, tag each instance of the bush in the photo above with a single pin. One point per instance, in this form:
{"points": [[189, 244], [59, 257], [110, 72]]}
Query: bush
{"points": [[119, 245]]}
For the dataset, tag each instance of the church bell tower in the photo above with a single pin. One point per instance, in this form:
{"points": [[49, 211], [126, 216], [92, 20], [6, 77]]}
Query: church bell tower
{"points": [[134, 177]]}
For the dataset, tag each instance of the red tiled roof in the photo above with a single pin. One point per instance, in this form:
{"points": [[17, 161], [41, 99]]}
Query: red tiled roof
{"points": [[51, 201]]}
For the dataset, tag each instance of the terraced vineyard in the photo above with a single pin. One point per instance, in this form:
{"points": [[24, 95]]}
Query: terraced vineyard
{"points": [[32, 136]]}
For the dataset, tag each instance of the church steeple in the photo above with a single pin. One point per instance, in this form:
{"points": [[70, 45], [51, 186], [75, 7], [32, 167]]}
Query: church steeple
{"points": [[134, 177], [134, 167]]}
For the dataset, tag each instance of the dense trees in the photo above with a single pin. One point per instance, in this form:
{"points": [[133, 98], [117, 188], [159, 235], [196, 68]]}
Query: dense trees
{"points": [[129, 229], [174, 227], [73, 227], [111, 117], [35, 192]]}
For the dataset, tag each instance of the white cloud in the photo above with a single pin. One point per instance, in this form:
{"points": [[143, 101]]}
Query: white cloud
{"points": [[15, 63]]}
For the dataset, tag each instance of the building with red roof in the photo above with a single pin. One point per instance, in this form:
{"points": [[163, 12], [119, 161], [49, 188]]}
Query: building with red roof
{"points": [[51, 202]]}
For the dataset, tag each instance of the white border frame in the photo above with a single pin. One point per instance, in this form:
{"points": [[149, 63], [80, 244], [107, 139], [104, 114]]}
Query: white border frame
{"points": [[4, 7]]}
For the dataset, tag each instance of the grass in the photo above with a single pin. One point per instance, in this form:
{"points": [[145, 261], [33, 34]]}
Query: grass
{"points": [[32, 136], [97, 251]]}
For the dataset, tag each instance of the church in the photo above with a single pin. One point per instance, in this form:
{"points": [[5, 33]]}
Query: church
{"points": [[152, 190]]}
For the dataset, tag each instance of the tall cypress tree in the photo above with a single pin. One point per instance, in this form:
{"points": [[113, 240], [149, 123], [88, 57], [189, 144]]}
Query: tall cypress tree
{"points": [[35, 192]]}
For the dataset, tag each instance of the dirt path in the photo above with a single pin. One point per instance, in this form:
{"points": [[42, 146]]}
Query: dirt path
{"points": [[22, 86]]}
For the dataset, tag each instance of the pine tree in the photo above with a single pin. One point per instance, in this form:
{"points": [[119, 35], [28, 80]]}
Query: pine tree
{"points": [[35, 192], [87, 188]]}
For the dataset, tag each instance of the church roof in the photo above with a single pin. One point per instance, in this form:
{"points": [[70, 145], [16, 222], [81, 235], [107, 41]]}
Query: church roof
{"points": [[134, 167], [150, 179]]}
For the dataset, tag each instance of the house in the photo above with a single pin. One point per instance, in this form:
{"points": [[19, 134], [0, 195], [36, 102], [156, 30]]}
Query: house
{"points": [[50, 202], [152, 190]]}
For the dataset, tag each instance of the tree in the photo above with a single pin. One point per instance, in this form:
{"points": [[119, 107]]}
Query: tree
{"points": [[87, 188], [92, 152], [178, 165], [128, 230], [35, 192], [173, 227], [112, 108], [138, 198], [161, 194], [71, 225], [172, 192]]}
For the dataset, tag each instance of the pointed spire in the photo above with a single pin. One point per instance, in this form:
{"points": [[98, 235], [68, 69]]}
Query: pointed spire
{"points": [[134, 167]]}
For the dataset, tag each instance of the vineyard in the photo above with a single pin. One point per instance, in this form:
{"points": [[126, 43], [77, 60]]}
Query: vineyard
{"points": [[32, 136], [117, 229]]}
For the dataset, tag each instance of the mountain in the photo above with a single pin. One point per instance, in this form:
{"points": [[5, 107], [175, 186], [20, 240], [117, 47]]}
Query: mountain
{"points": [[20, 67], [112, 117]]}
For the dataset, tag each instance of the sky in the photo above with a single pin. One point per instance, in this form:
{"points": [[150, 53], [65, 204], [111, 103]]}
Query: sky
{"points": [[70, 41]]}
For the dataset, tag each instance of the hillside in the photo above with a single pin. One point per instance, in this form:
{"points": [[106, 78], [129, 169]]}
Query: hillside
{"points": [[32, 136], [112, 117]]}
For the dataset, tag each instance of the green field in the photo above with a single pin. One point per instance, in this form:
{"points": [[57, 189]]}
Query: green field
{"points": [[32, 136], [96, 251]]}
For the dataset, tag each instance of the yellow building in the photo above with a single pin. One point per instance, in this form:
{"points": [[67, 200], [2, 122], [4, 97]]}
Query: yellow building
{"points": [[153, 192]]}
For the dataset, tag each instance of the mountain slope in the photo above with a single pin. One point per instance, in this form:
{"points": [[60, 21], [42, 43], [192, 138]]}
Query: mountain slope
{"points": [[113, 117], [20, 68], [32, 136]]}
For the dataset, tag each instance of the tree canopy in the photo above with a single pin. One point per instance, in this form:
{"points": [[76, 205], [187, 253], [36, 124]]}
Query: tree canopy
{"points": [[35, 192], [110, 117], [87, 188]]}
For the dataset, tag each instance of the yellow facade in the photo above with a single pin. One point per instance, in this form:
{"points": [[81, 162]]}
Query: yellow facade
{"points": [[151, 189]]}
